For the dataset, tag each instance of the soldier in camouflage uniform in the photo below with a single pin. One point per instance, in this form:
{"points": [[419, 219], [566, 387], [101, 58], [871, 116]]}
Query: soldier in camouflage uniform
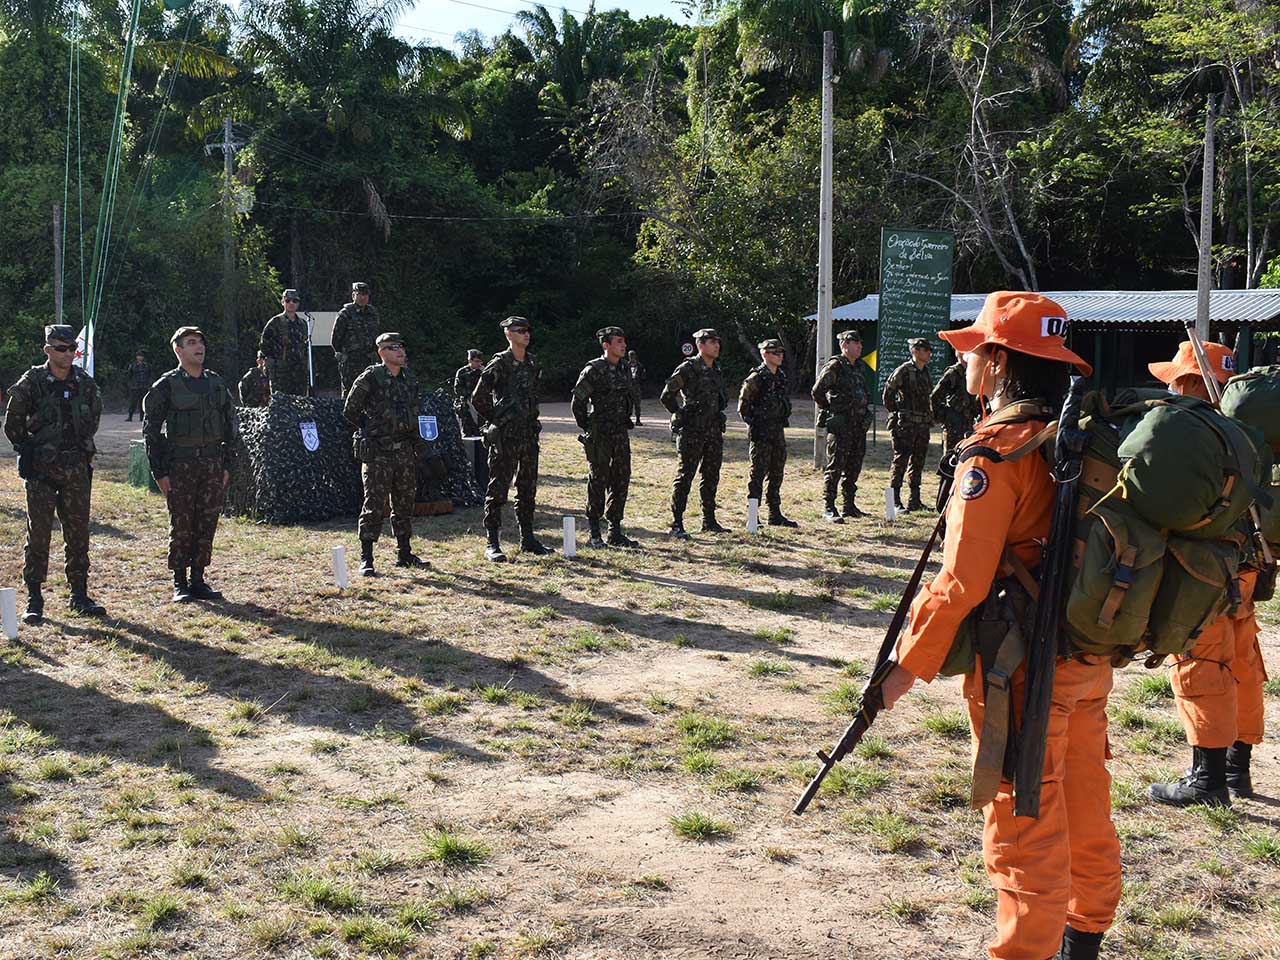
{"points": [[53, 413], [286, 345], [764, 404], [464, 384], [506, 399], [956, 409], [188, 423], [840, 394], [255, 388], [139, 381], [355, 332], [382, 406], [695, 396], [636, 369], [906, 397], [602, 405]]}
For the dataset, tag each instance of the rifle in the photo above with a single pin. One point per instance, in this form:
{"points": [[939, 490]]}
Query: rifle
{"points": [[872, 699], [1215, 394], [1046, 642]]}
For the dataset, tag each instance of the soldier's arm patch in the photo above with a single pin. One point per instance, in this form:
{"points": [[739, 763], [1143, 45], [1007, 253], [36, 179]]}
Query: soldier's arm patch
{"points": [[974, 483]]}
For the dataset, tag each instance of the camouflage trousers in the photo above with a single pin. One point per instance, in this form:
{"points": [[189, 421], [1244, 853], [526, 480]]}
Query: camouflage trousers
{"points": [[195, 501], [393, 473], [135, 400], [467, 422], [768, 455], [955, 430], [61, 491], [705, 450], [608, 474], [291, 378], [910, 445], [350, 366], [513, 457], [845, 453]]}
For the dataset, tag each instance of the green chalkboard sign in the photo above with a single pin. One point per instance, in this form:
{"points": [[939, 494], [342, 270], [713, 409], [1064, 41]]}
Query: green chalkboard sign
{"points": [[915, 296]]}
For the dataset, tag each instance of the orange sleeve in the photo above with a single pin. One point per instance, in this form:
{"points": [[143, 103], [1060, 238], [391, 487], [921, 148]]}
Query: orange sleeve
{"points": [[978, 520]]}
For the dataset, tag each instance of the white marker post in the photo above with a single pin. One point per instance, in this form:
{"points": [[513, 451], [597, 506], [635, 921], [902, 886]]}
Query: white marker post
{"points": [[9, 612], [570, 538], [890, 508], [340, 567], [753, 515]]}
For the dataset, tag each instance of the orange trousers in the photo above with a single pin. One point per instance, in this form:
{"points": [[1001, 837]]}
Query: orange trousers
{"points": [[1218, 685], [1064, 866]]}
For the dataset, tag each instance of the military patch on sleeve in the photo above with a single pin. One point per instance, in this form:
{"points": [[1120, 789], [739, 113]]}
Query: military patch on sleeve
{"points": [[974, 483]]}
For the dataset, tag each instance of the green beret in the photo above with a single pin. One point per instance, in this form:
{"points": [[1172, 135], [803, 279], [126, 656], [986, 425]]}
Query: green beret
{"points": [[186, 332], [385, 339], [844, 335], [706, 333], [59, 333], [608, 332], [516, 322], [770, 344]]}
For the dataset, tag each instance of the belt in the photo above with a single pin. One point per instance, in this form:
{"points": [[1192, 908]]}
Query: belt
{"points": [[180, 452]]}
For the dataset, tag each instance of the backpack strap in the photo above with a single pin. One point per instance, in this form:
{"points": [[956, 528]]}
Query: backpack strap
{"points": [[993, 740], [1126, 556]]}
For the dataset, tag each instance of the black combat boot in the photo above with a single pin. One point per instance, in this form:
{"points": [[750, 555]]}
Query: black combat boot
{"points": [[709, 523], [82, 603], [493, 549], [915, 503], [831, 514], [405, 556], [366, 559], [199, 589], [677, 528], [33, 616], [776, 519], [851, 510], [619, 539], [1205, 782], [1079, 946], [181, 590], [595, 540], [1239, 783], [897, 500], [529, 543]]}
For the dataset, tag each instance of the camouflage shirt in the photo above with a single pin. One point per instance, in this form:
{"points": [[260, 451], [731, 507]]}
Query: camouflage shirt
{"points": [[506, 395], [764, 402], [695, 395], [55, 416], [951, 401], [284, 345], [382, 406], [841, 389], [603, 397], [906, 393], [255, 388], [354, 331], [464, 383], [185, 411], [140, 375]]}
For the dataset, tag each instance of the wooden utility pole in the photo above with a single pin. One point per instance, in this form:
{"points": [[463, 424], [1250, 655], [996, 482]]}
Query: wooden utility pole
{"points": [[1204, 278], [57, 263], [823, 339]]}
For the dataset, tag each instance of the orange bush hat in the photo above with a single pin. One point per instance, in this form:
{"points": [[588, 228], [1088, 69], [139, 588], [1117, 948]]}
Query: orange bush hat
{"points": [[1017, 320], [1221, 361]]}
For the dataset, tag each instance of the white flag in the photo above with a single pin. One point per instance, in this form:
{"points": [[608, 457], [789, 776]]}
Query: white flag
{"points": [[84, 349]]}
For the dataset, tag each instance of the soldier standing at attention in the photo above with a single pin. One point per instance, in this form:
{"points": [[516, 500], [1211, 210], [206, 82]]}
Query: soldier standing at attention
{"points": [[506, 398], [53, 413], [355, 332], [188, 425], [695, 396], [602, 405], [636, 369], [286, 346], [139, 381], [765, 406], [841, 394], [382, 405], [906, 397], [255, 388], [954, 407], [464, 384]]}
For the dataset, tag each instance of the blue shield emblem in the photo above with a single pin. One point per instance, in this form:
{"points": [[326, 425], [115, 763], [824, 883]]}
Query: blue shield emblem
{"points": [[428, 428]]}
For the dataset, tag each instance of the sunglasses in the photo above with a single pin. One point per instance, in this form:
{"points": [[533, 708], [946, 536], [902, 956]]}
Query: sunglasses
{"points": [[519, 329], [292, 300], [61, 349], [392, 346], [776, 353]]}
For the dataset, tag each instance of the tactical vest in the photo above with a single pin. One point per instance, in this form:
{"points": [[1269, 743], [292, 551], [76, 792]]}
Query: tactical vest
{"points": [[771, 408], [196, 419], [909, 400], [392, 412], [704, 397], [611, 396], [848, 394], [54, 418]]}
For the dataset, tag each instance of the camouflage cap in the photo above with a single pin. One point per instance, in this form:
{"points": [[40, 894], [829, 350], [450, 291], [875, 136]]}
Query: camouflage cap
{"points": [[844, 335], [606, 333], [388, 338], [358, 287], [516, 322], [474, 355], [706, 333], [59, 333], [771, 344], [290, 294], [919, 343], [188, 331]]}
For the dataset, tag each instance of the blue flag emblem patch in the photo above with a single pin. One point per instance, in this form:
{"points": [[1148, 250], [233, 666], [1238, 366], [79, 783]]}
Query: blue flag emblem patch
{"points": [[428, 428]]}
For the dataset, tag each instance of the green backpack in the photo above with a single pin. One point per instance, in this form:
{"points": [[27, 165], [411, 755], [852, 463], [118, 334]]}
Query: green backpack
{"points": [[1254, 398]]}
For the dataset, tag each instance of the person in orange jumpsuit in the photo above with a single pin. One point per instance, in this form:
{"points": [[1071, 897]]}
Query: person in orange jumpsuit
{"points": [[1057, 877], [1217, 685]]}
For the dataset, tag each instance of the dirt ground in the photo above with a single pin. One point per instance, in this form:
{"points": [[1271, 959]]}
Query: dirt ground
{"points": [[587, 758]]}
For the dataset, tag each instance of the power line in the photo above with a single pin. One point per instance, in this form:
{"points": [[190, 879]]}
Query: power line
{"points": [[552, 6], [552, 218]]}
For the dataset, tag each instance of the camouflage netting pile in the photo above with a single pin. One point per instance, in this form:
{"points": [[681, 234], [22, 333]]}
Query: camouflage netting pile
{"points": [[276, 479]]}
